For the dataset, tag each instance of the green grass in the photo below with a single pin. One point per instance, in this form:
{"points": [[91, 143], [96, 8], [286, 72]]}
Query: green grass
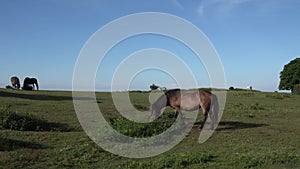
{"points": [[257, 130]]}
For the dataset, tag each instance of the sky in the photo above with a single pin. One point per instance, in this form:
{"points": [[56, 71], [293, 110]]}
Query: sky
{"points": [[43, 38]]}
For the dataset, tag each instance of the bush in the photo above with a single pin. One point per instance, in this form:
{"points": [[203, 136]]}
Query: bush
{"points": [[296, 89], [231, 88], [11, 120]]}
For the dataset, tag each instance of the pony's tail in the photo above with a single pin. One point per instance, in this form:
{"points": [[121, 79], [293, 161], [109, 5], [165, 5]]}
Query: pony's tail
{"points": [[214, 115]]}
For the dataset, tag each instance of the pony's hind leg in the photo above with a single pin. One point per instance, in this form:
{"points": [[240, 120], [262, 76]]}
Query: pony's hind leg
{"points": [[205, 114], [203, 121]]}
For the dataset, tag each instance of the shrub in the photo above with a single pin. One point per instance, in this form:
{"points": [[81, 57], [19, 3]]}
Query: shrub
{"points": [[11, 120]]}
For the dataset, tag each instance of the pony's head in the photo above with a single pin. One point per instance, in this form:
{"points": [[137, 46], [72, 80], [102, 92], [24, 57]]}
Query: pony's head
{"points": [[154, 112], [156, 107]]}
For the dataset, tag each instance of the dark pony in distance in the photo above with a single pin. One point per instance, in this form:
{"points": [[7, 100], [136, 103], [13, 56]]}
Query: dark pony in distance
{"points": [[187, 101], [30, 83], [15, 82]]}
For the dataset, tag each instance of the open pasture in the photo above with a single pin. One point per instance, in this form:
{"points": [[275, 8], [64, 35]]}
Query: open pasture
{"points": [[39, 129]]}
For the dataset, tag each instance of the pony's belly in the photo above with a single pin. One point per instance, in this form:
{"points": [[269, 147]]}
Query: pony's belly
{"points": [[190, 107]]}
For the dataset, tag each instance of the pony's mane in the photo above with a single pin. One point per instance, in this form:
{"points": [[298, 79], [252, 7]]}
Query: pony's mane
{"points": [[171, 92], [163, 100]]}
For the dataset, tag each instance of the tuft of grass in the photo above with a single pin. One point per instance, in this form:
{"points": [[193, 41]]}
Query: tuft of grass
{"points": [[279, 96], [133, 129], [255, 106], [141, 107], [174, 160], [251, 115], [270, 157], [76, 156]]}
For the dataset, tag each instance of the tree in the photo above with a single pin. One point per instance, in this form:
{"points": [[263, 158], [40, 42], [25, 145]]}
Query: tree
{"points": [[290, 75], [231, 88], [154, 87]]}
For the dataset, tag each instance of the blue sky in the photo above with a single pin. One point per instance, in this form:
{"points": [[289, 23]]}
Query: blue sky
{"points": [[253, 38]]}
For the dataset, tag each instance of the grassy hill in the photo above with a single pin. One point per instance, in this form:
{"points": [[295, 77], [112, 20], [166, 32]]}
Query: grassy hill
{"points": [[39, 129]]}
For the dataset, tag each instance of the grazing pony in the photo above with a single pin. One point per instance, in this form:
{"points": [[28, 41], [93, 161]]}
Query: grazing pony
{"points": [[179, 100], [15, 82], [30, 83]]}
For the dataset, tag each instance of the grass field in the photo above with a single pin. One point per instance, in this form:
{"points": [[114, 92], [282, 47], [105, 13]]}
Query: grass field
{"points": [[39, 129]]}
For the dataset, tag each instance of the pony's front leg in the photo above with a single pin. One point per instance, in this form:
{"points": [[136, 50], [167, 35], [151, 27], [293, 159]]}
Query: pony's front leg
{"points": [[181, 120]]}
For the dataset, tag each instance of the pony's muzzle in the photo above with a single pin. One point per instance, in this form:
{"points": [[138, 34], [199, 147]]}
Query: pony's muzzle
{"points": [[153, 115]]}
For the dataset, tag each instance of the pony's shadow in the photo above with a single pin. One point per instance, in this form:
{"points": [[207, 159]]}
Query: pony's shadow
{"points": [[34, 96], [11, 144], [235, 125]]}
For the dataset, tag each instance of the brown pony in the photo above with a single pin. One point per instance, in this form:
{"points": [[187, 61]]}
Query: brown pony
{"points": [[15, 82], [179, 100]]}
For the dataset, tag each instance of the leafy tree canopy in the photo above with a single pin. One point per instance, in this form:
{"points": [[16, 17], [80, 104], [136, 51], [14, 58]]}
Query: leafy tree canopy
{"points": [[290, 75], [154, 87]]}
